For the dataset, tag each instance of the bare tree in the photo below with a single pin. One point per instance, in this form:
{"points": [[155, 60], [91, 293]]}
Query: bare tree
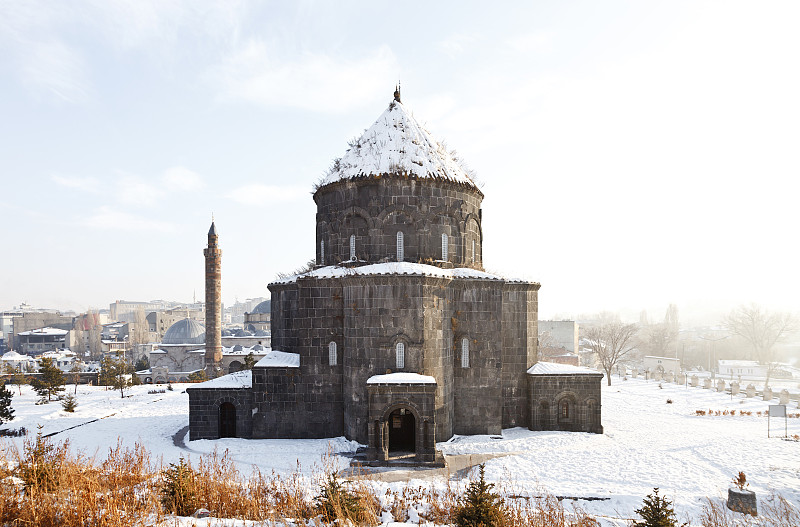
{"points": [[762, 329], [611, 342]]}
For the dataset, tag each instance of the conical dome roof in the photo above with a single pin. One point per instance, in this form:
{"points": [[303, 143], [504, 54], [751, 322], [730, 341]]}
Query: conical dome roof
{"points": [[397, 144], [186, 331]]}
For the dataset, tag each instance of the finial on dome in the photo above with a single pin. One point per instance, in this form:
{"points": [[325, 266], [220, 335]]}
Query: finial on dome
{"points": [[397, 92]]}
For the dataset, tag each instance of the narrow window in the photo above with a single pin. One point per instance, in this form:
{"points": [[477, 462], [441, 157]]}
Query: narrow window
{"points": [[332, 353], [465, 352], [322, 252], [400, 248], [444, 247], [352, 246], [565, 410], [400, 355], [473, 252]]}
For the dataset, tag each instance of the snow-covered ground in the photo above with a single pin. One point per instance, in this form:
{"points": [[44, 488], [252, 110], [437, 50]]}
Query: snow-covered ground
{"points": [[647, 443]]}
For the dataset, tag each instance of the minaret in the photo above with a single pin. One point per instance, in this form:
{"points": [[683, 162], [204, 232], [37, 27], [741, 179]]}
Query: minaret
{"points": [[213, 256]]}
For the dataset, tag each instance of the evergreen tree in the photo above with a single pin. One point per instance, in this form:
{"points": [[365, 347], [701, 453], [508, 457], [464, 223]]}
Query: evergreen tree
{"points": [[142, 363], [656, 511], [70, 402], [6, 412], [249, 361], [480, 507], [114, 373], [50, 380]]}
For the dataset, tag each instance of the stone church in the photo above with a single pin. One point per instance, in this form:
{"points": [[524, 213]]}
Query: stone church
{"points": [[398, 338]]}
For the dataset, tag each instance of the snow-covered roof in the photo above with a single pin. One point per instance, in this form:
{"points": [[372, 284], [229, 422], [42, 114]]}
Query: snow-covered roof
{"points": [[239, 379], [13, 355], [739, 363], [401, 378], [45, 331], [279, 359], [397, 144], [395, 268], [553, 368]]}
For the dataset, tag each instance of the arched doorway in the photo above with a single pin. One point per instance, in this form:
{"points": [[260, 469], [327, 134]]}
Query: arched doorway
{"points": [[227, 420], [402, 431]]}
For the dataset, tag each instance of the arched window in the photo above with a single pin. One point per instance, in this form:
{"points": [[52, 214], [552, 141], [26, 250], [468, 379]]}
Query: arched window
{"points": [[332, 353], [400, 355], [465, 352], [564, 410], [322, 252], [444, 247], [400, 248], [352, 246], [473, 252]]}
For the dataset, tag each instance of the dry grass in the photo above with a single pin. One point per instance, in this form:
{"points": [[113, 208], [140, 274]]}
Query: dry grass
{"points": [[47, 485], [774, 512]]}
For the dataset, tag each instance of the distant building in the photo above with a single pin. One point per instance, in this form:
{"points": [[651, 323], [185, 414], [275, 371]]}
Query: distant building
{"points": [[30, 320], [742, 368], [39, 340], [661, 364], [258, 319], [563, 332]]}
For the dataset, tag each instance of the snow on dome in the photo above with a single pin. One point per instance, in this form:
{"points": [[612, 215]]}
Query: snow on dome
{"points": [[397, 144], [279, 359], [239, 379], [186, 331], [401, 378], [554, 368], [395, 268]]}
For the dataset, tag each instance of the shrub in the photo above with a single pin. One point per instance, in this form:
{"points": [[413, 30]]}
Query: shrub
{"points": [[69, 403], [177, 490], [480, 507], [335, 501], [740, 481], [40, 466], [656, 511], [669, 401]]}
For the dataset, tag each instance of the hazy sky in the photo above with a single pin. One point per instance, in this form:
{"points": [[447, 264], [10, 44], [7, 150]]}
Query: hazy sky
{"points": [[633, 154]]}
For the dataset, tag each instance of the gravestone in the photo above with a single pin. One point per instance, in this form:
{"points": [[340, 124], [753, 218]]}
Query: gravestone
{"points": [[720, 385], [707, 383], [743, 501], [681, 378], [695, 381], [734, 388], [670, 376], [767, 394], [784, 397], [750, 390], [659, 375], [635, 373]]}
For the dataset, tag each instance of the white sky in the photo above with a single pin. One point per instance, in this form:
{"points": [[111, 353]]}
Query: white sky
{"points": [[633, 153]]}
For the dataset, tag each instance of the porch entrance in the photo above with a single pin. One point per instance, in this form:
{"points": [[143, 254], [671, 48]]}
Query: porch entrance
{"points": [[402, 431], [227, 420]]}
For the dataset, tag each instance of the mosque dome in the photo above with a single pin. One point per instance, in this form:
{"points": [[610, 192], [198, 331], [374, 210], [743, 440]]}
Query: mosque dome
{"points": [[186, 331], [263, 307]]}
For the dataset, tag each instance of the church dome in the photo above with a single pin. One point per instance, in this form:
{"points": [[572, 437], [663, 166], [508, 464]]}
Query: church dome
{"points": [[263, 307], [186, 331], [396, 144]]}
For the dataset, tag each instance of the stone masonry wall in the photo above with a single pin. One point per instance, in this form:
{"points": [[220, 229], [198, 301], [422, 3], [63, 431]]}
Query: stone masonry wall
{"points": [[204, 411], [475, 315], [375, 209], [519, 349], [581, 392]]}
